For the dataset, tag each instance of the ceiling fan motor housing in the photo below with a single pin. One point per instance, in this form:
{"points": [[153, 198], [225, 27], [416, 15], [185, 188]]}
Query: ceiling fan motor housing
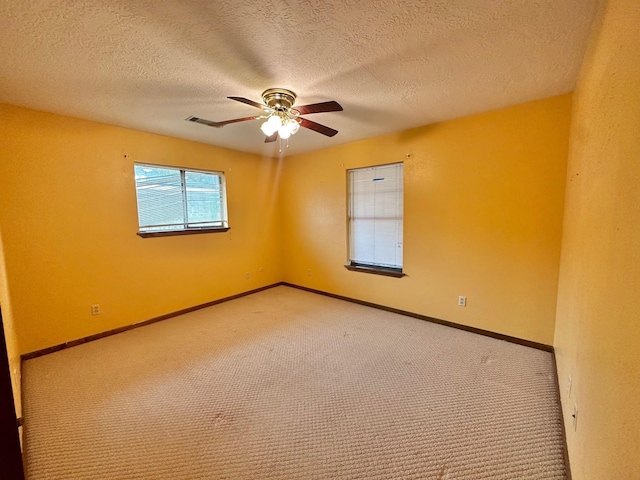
{"points": [[280, 99]]}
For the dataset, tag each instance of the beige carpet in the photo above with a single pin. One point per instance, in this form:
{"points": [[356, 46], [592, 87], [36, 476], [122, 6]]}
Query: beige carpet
{"points": [[286, 384]]}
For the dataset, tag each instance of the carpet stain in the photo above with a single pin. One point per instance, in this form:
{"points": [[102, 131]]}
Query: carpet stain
{"points": [[221, 419], [487, 360], [444, 474]]}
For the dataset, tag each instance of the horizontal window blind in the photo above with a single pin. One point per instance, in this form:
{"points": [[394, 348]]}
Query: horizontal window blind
{"points": [[376, 216], [176, 199]]}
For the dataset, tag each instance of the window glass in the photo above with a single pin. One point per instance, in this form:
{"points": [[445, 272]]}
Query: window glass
{"points": [[174, 199]]}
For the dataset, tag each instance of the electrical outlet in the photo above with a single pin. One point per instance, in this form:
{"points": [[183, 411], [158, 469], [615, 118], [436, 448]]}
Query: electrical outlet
{"points": [[247, 276], [309, 272], [95, 309], [462, 301], [575, 417]]}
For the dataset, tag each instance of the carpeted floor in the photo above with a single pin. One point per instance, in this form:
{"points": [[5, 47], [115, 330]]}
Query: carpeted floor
{"points": [[286, 384]]}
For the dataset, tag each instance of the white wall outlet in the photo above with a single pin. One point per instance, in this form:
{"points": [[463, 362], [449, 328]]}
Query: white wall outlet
{"points": [[575, 417], [308, 272], [247, 276], [462, 301], [95, 309]]}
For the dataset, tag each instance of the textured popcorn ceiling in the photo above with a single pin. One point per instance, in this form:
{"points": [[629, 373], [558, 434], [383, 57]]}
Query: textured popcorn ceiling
{"points": [[392, 64]]}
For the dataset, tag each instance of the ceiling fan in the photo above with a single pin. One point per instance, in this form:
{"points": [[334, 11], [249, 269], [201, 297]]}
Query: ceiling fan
{"points": [[282, 119]]}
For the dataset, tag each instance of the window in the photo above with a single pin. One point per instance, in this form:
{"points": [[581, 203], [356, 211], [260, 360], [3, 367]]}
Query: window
{"points": [[173, 201], [375, 219]]}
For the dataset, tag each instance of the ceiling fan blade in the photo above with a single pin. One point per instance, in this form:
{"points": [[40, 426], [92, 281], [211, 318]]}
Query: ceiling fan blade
{"points": [[271, 138], [250, 102], [329, 132], [211, 123], [236, 120], [331, 106]]}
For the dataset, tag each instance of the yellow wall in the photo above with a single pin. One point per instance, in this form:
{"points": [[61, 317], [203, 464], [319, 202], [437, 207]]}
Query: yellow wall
{"points": [[69, 222], [13, 350], [598, 325], [483, 215], [483, 210]]}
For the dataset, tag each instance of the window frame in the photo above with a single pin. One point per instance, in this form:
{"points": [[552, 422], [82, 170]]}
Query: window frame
{"points": [[186, 230], [355, 266]]}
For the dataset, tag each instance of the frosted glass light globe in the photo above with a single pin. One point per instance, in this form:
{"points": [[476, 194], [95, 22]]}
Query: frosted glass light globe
{"points": [[284, 132], [294, 126], [271, 126], [267, 129], [275, 121]]}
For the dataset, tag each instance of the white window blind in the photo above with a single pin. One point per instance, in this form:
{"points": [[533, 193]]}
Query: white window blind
{"points": [[174, 199], [376, 216]]}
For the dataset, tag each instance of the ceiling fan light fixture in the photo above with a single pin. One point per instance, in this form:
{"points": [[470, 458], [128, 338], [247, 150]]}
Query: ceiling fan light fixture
{"points": [[275, 121], [266, 129], [284, 132], [272, 125], [294, 126], [289, 127]]}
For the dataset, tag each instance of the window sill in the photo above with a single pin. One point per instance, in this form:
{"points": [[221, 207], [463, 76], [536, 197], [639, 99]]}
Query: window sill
{"points": [[191, 231], [388, 272]]}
